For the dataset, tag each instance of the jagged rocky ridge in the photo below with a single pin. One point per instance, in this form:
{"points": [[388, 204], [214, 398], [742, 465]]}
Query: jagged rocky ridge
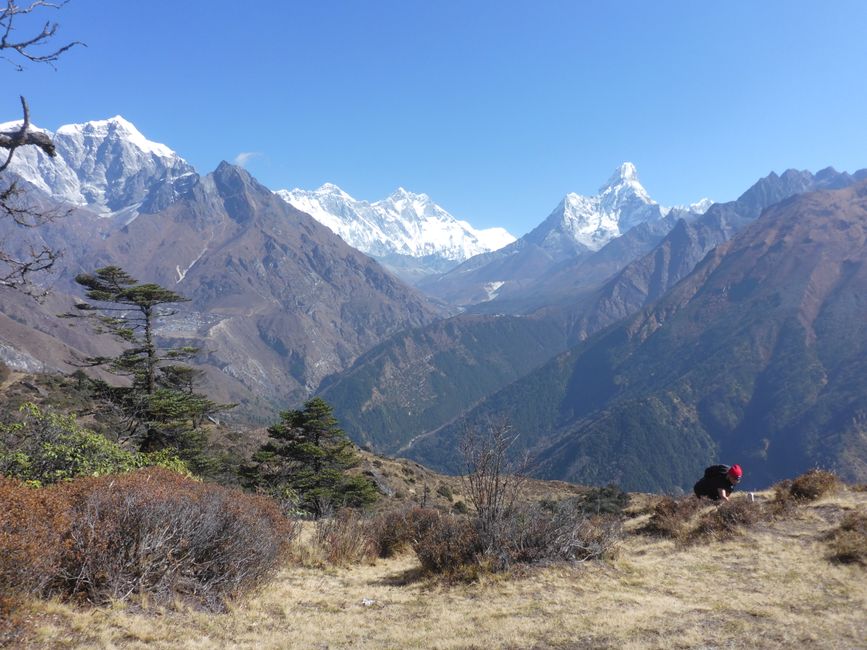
{"points": [[578, 227]]}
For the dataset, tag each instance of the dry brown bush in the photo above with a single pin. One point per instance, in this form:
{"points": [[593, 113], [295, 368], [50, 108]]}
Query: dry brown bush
{"points": [[345, 538], [33, 537], [444, 543], [849, 540], [815, 484], [782, 501], [673, 518], [13, 623], [158, 533], [152, 533], [727, 520], [538, 534], [391, 532], [31, 544], [808, 487]]}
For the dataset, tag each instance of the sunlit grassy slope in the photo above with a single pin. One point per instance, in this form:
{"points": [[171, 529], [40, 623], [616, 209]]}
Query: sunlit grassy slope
{"points": [[772, 587]]}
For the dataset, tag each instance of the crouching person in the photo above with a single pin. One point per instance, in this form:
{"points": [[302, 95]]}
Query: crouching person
{"points": [[718, 482]]}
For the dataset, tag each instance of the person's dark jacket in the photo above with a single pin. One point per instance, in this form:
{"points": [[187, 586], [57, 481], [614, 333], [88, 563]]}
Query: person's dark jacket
{"points": [[715, 477]]}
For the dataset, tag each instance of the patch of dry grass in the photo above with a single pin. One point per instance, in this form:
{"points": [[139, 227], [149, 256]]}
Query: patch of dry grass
{"points": [[772, 587]]}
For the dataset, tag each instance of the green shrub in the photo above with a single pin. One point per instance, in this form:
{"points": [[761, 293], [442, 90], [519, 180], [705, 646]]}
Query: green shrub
{"points": [[310, 454], [45, 447]]}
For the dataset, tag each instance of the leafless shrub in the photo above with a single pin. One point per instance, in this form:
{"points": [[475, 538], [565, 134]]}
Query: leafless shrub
{"points": [[538, 534], [345, 538], [492, 482]]}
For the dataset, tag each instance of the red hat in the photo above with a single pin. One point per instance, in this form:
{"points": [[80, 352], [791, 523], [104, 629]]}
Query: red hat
{"points": [[736, 471]]}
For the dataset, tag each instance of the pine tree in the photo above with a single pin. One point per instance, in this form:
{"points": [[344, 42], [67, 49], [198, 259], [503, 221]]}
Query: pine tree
{"points": [[160, 407], [309, 455]]}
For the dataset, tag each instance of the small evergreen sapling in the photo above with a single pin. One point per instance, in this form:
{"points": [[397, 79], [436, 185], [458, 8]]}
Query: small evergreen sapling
{"points": [[310, 455]]}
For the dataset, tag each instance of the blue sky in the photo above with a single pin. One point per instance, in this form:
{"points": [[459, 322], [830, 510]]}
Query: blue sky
{"points": [[495, 109]]}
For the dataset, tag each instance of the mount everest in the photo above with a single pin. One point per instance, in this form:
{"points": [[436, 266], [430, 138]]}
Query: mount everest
{"points": [[403, 227]]}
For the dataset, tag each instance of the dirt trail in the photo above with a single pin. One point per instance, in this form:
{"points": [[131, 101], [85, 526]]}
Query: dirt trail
{"points": [[11, 379]]}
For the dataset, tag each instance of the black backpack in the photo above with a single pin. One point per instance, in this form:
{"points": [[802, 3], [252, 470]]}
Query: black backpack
{"points": [[716, 470]]}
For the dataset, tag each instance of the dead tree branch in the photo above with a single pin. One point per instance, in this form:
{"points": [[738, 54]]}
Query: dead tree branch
{"points": [[27, 47], [24, 136]]}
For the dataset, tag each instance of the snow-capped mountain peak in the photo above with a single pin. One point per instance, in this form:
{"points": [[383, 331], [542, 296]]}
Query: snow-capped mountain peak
{"points": [[107, 165], [626, 173], [118, 127], [623, 186], [329, 188], [406, 224], [592, 221]]}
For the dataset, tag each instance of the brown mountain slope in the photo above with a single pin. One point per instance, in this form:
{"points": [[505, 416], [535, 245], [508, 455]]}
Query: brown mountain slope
{"points": [[277, 300], [759, 355]]}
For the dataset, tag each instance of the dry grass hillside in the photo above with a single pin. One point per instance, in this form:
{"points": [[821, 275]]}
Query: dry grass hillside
{"points": [[774, 584]]}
